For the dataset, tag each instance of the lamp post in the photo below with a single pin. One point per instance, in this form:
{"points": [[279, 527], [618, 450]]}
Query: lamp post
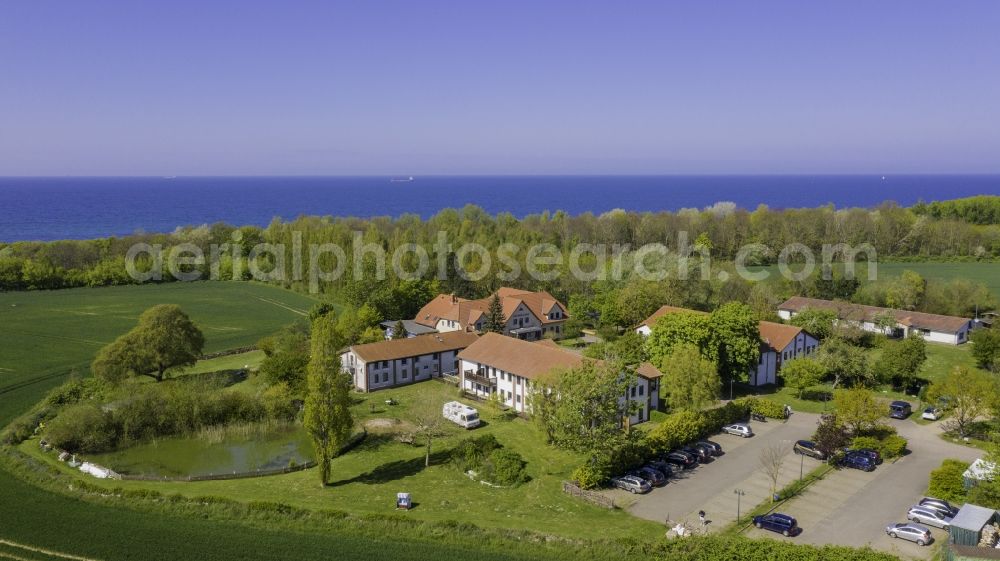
{"points": [[731, 388], [802, 459], [739, 493]]}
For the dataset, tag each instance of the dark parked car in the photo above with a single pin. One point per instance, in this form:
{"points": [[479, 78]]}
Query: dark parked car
{"points": [[663, 467], [651, 476], [808, 448], [714, 447], [680, 459], [942, 506], [899, 409], [777, 522], [868, 452], [858, 461], [698, 453]]}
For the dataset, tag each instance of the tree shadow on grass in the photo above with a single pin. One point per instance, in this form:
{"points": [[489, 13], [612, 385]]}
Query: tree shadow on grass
{"points": [[393, 471]]}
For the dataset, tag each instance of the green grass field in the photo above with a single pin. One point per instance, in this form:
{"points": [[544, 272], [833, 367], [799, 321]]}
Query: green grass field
{"points": [[46, 334], [986, 273]]}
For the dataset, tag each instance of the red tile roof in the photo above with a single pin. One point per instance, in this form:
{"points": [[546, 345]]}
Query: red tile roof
{"points": [[468, 312], [414, 346], [859, 312]]}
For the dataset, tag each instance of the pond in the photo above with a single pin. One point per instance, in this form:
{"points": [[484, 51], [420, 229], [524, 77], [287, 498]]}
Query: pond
{"points": [[196, 456]]}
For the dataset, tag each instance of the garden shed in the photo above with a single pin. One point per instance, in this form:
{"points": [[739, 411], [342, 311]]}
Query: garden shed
{"points": [[980, 470], [967, 526]]}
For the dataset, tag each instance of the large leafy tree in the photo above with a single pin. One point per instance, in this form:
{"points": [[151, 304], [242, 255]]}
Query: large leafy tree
{"points": [[286, 356], [986, 348], [901, 361], [690, 380], [681, 328], [736, 335], [969, 393], [845, 362], [164, 339], [327, 417], [857, 409], [802, 373], [816, 321], [582, 408]]}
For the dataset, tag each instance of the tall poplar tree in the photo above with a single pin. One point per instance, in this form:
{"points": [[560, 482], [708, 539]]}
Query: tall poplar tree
{"points": [[327, 409]]}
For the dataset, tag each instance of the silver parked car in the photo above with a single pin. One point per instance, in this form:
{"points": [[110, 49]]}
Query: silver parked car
{"points": [[910, 531], [739, 429], [632, 484], [929, 516]]}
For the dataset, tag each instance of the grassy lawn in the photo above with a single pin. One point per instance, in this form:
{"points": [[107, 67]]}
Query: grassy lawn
{"points": [[367, 479], [239, 361], [941, 358], [986, 273]]}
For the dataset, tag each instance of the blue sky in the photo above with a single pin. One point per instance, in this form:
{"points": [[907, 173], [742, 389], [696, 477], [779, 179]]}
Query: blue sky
{"points": [[421, 87]]}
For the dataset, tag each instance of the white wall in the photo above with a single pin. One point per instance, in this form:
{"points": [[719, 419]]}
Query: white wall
{"points": [[515, 391], [377, 375]]}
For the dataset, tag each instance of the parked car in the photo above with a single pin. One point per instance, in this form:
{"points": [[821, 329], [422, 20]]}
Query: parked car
{"points": [[701, 455], [899, 409], [931, 414], [929, 516], [941, 505], [909, 531], [738, 429], [868, 452], [858, 461], [632, 484], [777, 522], [808, 448], [714, 447], [663, 467], [651, 476], [680, 459]]}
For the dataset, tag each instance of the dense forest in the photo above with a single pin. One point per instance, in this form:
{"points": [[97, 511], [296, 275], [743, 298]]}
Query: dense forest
{"points": [[965, 229]]}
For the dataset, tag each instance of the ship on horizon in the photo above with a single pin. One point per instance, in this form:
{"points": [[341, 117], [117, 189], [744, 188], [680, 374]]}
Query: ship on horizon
{"points": [[401, 179]]}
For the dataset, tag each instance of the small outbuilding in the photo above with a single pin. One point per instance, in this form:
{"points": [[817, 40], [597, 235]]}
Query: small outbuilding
{"points": [[967, 526]]}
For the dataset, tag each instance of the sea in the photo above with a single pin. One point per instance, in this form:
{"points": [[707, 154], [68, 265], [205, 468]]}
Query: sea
{"points": [[53, 208]]}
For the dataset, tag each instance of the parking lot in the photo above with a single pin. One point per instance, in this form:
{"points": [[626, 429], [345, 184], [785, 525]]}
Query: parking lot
{"points": [[710, 487], [852, 507]]}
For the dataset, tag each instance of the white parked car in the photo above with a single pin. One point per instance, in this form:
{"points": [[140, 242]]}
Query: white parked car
{"points": [[931, 414], [738, 429], [461, 414]]}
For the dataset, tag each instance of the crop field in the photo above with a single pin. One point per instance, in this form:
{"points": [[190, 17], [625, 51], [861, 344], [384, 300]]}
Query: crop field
{"points": [[46, 334], [986, 273]]}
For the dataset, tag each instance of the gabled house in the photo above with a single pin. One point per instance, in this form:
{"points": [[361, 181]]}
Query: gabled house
{"points": [[932, 327], [400, 362], [530, 315], [778, 343], [511, 368]]}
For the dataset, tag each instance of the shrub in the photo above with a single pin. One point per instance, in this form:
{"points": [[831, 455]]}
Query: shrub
{"points": [[589, 476], [507, 467], [869, 442], [82, 428], [471, 453], [946, 481], [715, 419], [830, 435], [763, 407], [677, 429], [892, 446]]}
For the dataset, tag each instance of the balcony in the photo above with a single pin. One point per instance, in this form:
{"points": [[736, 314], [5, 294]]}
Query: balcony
{"points": [[479, 377]]}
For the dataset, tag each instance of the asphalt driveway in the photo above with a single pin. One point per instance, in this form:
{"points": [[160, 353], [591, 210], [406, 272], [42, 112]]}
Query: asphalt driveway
{"points": [[710, 487], [851, 507]]}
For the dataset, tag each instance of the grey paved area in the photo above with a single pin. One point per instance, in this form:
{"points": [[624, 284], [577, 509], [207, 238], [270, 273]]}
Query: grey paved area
{"points": [[851, 507], [710, 487]]}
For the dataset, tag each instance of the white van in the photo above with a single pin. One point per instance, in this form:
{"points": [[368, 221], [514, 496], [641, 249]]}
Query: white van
{"points": [[461, 414]]}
